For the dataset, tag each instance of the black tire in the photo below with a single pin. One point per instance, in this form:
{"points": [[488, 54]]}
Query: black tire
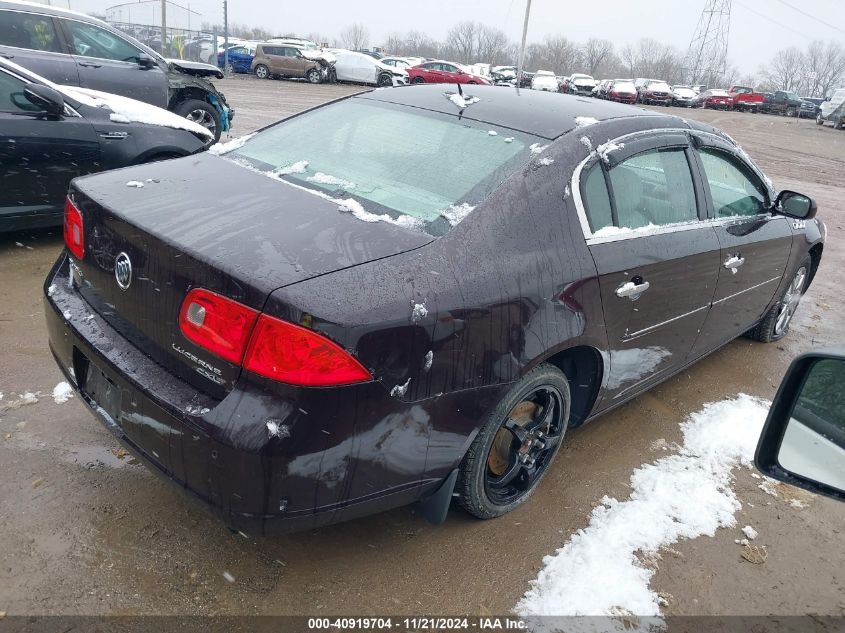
{"points": [[314, 76], [418, 80], [839, 124], [775, 323], [542, 394], [262, 72], [819, 119], [384, 80], [203, 113]]}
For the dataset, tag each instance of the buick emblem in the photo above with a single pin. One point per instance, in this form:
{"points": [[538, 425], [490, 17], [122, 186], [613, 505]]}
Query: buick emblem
{"points": [[123, 270]]}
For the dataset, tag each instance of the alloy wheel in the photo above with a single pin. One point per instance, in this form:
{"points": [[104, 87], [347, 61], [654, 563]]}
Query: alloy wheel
{"points": [[261, 72], [524, 445], [790, 301], [203, 118]]}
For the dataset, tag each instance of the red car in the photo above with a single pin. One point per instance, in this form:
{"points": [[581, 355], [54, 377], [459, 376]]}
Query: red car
{"points": [[622, 91], [655, 91], [716, 99], [744, 98], [438, 72]]}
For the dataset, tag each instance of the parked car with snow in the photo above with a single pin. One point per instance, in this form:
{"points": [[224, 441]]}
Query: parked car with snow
{"points": [[290, 382], [715, 99], [545, 80], [73, 49], [50, 134], [397, 62], [833, 110], [683, 96], [580, 84], [276, 60], [440, 72], [600, 91], [655, 92], [622, 91], [365, 69], [744, 98]]}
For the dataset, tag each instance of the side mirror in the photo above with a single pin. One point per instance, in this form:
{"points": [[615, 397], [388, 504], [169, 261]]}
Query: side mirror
{"points": [[45, 98], [795, 205], [145, 62], [803, 440]]}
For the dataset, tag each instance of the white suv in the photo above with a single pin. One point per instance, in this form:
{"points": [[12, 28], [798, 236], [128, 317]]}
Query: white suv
{"points": [[833, 110]]}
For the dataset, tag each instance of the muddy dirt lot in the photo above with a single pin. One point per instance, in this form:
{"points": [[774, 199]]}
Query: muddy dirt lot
{"points": [[85, 530]]}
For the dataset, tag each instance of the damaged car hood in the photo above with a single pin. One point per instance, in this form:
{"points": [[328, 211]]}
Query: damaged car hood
{"points": [[318, 55], [197, 69]]}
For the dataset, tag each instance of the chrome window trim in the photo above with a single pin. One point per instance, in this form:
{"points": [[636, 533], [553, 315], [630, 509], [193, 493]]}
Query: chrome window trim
{"points": [[651, 328], [678, 227]]}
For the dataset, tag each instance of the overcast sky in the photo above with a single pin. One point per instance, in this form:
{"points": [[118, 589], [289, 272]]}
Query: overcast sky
{"points": [[758, 27]]}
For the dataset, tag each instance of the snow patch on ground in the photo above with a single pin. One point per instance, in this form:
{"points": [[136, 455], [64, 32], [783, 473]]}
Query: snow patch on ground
{"points": [[236, 143], [584, 121], [536, 148], [750, 532], [62, 393], [686, 495], [456, 213], [769, 486]]}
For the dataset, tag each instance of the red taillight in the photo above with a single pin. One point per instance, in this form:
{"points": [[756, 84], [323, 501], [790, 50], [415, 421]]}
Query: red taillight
{"points": [[74, 237], [220, 325], [299, 356]]}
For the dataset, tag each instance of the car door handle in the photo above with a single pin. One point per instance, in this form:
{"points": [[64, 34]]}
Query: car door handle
{"points": [[90, 64], [733, 262], [632, 289]]}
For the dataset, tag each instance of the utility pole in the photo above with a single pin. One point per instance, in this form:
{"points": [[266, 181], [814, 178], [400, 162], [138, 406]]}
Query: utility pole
{"points": [[522, 48], [225, 37], [163, 27], [707, 55]]}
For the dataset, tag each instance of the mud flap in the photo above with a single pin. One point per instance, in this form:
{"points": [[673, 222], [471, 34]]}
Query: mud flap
{"points": [[435, 508]]}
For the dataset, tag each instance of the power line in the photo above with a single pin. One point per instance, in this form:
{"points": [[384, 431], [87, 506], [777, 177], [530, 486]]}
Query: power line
{"points": [[766, 17], [812, 17]]}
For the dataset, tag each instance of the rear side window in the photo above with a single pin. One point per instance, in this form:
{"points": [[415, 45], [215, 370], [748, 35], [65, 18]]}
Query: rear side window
{"points": [[26, 30], [651, 188], [92, 41], [734, 189]]}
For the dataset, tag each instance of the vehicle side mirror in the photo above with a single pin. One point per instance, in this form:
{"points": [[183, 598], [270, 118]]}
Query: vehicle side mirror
{"points": [[47, 99], [145, 62], [803, 440], [795, 205]]}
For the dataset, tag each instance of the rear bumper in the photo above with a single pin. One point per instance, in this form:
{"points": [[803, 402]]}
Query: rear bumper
{"points": [[340, 455]]}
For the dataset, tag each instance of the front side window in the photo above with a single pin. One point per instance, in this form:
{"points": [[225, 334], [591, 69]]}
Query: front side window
{"points": [[391, 159], [735, 191], [92, 41], [12, 98], [27, 30]]}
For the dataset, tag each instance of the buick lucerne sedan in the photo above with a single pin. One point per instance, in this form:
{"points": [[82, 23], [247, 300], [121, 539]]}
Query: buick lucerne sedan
{"points": [[411, 294]]}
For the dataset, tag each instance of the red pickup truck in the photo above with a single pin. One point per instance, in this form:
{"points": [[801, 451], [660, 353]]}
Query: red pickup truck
{"points": [[744, 98]]}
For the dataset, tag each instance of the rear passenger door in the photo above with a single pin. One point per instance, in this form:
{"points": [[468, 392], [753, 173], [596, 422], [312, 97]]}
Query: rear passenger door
{"points": [[656, 255], [755, 245], [33, 41], [110, 63]]}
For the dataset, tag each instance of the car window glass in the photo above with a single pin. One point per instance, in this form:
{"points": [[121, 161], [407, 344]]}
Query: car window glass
{"points": [[733, 189], [12, 98], [26, 30], [92, 41], [654, 187], [596, 199], [449, 69]]}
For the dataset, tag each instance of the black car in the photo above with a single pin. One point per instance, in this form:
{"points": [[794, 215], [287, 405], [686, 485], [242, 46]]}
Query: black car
{"points": [[50, 134], [348, 314], [74, 49]]}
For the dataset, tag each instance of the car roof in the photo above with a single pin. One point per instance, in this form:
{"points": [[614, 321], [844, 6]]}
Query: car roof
{"points": [[545, 114], [46, 9]]}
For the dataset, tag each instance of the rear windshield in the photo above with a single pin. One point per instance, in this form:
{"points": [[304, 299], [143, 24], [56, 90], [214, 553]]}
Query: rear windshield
{"points": [[421, 169]]}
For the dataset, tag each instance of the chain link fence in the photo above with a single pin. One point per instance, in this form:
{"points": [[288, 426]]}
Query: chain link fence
{"points": [[197, 46]]}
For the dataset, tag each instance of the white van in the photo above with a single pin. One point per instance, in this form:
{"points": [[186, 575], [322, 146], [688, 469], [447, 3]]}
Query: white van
{"points": [[833, 110]]}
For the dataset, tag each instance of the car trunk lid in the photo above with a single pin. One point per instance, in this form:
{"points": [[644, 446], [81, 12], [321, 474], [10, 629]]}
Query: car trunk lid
{"points": [[205, 222]]}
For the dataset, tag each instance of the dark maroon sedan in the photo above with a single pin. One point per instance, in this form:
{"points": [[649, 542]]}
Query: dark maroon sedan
{"points": [[715, 99], [410, 295]]}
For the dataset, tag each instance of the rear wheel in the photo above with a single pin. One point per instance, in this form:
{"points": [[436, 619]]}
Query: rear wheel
{"points": [[203, 113], [314, 76], [775, 324], [516, 445], [418, 80], [262, 72], [839, 124], [819, 119]]}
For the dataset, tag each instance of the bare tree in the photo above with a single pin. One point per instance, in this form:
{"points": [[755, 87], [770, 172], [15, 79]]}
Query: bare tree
{"points": [[556, 53], [355, 37], [786, 69], [493, 46], [824, 68], [596, 54], [462, 39]]}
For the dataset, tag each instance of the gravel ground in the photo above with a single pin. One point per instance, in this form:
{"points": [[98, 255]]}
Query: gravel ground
{"points": [[85, 530]]}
